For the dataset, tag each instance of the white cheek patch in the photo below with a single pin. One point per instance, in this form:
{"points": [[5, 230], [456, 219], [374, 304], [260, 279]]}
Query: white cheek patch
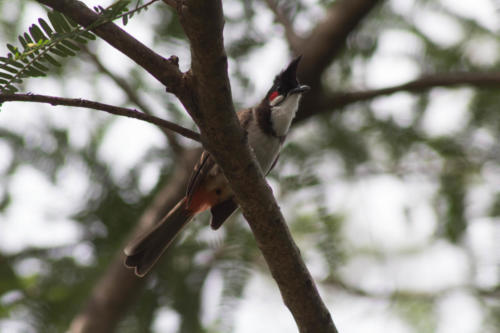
{"points": [[276, 100]]}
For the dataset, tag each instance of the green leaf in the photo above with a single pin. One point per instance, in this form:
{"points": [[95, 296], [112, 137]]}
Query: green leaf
{"points": [[26, 51], [10, 69], [23, 42], [79, 39], [25, 59], [50, 59], [15, 63], [63, 22], [37, 33], [57, 52], [70, 45], [65, 50], [40, 67], [28, 38], [88, 35], [71, 22], [46, 27], [32, 71], [5, 75], [9, 88], [118, 8], [55, 19], [13, 49]]}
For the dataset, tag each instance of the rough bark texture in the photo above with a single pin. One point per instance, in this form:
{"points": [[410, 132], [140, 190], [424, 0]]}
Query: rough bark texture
{"points": [[203, 22]]}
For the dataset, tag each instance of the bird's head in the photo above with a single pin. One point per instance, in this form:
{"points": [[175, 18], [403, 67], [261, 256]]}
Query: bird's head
{"points": [[286, 85]]}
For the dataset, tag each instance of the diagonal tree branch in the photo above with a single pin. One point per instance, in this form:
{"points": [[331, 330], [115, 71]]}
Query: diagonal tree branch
{"points": [[203, 23], [77, 102]]}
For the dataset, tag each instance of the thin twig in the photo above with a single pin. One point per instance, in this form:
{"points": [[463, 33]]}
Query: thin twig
{"points": [[78, 102], [135, 9]]}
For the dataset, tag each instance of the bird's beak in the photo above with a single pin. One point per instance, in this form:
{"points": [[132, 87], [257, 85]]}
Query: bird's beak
{"points": [[299, 90]]}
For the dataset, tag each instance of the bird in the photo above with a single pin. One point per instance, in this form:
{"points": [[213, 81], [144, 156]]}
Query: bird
{"points": [[266, 126]]}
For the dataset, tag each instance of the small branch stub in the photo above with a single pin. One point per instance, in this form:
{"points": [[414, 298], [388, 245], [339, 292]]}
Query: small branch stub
{"points": [[174, 60]]}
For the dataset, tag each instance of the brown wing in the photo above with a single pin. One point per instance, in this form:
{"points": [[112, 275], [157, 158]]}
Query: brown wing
{"points": [[200, 171], [206, 162]]}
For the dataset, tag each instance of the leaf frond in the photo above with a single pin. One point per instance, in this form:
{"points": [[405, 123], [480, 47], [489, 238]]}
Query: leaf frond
{"points": [[57, 37]]}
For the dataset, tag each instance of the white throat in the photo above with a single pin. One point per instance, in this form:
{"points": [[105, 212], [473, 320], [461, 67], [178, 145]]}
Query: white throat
{"points": [[283, 114]]}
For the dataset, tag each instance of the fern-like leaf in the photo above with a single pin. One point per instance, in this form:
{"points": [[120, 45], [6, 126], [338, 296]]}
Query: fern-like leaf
{"points": [[57, 37]]}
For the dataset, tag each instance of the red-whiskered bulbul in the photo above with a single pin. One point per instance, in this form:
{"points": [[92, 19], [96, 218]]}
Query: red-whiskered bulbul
{"points": [[266, 125]]}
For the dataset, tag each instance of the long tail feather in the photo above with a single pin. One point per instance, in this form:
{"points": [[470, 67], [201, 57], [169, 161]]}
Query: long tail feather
{"points": [[143, 252]]}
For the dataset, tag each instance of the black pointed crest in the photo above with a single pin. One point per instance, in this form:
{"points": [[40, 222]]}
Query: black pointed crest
{"points": [[290, 73]]}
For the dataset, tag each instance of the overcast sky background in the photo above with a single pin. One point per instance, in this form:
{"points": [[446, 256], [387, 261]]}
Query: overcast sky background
{"points": [[38, 215]]}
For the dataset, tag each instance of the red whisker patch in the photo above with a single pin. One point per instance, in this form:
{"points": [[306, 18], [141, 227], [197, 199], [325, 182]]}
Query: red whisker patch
{"points": [[273, 95]]}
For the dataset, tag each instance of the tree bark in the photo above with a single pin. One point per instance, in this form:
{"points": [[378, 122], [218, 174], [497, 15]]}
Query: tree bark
{"points": [[224, 138]]}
